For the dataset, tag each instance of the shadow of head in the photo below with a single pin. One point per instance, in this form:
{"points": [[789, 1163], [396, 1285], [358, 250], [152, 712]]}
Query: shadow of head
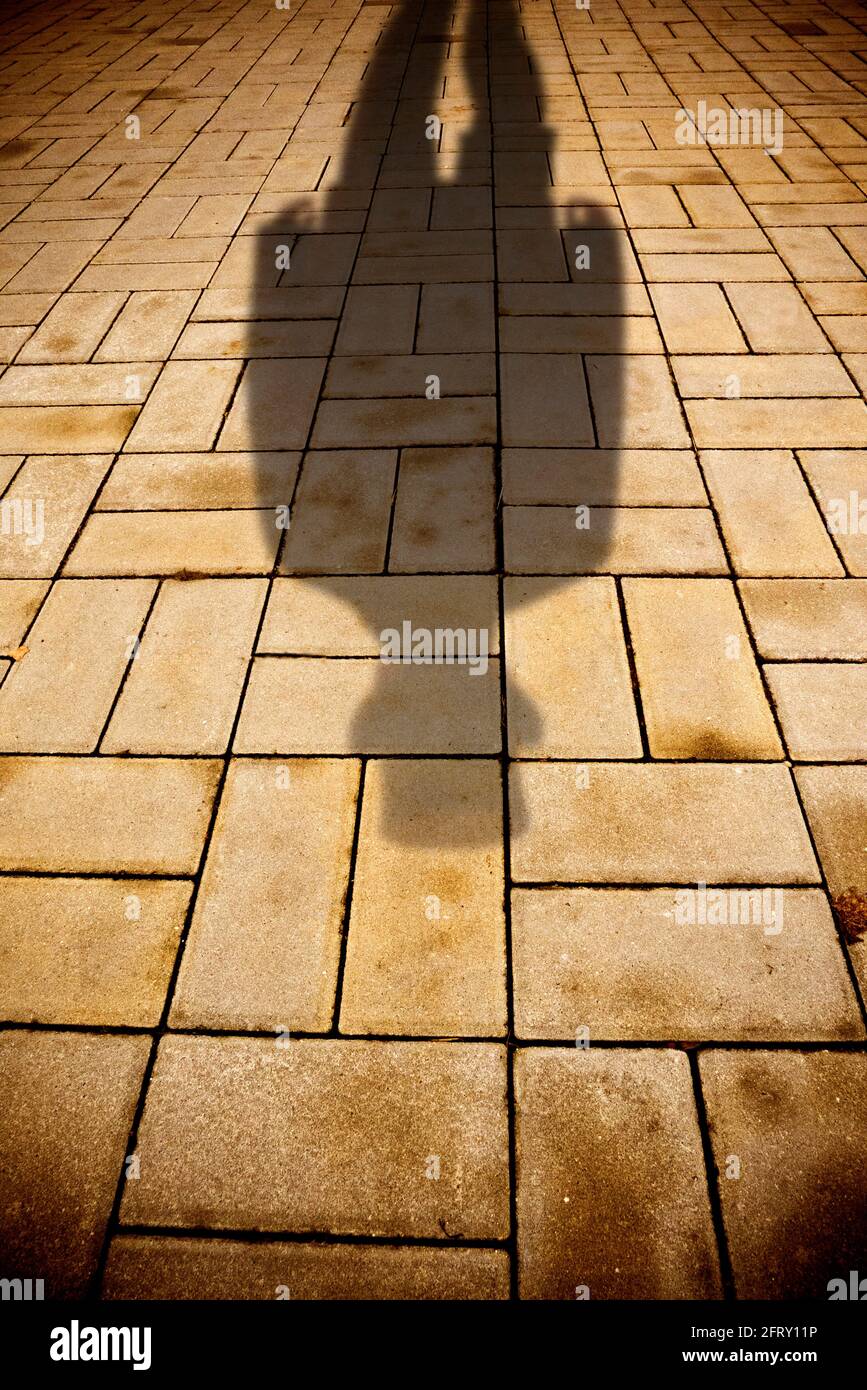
{"points": [[433, 392]]}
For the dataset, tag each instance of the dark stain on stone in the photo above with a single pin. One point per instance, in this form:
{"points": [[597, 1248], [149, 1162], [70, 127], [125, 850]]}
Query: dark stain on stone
{"points": [[13, 149], [850, 909]]}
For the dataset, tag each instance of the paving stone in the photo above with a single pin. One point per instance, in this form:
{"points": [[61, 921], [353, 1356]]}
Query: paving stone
{"points": [[273, 406], [176, 543], [617, 540], [602, 477], [264, 944], [571, 336], [88, 951], [171, 701], [835, 800], [281, 442], [48, 429], [544, 400], [81, 642], [700, 687], [807, 618], [73, 329], [634, 404], [174, 1269], [612, 1193], [305, 1162], [627, 964], [293, 338], [801, 1115], [76, 385], [147, 327], [162, 482], [652, 822], [392, 374], [455, 317], [822, 709], [45, 506], [568, 685], [693, 316], [303, 705], [186, 406], [346, 616], [68, 1104], [444, 511], [839, 479], [378, 318], [776, 319], [765, 376], [426, 947], [357, 483], [813, 253], [375, 423], [19, 603], [770, 522], [767, 424], [85, 815]]}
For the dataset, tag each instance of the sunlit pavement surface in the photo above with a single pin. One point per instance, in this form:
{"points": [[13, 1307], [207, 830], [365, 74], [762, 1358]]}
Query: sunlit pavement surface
{"points": [[522, 345]]}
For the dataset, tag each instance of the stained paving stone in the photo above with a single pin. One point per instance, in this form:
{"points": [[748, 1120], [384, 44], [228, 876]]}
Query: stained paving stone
{"points": [[612, 1195], [639, 964], [180, 1268], [426, 948], [700, 686], [88, 951], [443, 511], [359, 483], [325, 1136], [162, 482], [106, 815], [78, 429], [794, 1218], [68, 1105], [645, 822], [835, 801], [264, 944]]}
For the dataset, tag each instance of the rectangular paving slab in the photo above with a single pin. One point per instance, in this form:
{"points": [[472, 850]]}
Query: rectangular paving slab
{"points": [[67, 1101], [327, 1136], [612, 1197], [789, 1135]]}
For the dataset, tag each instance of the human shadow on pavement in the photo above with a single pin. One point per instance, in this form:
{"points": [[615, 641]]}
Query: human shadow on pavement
{"points": [[394, 480]]}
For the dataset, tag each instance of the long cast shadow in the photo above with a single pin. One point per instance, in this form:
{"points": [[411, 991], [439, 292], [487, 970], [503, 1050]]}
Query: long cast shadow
{"points": [[557, 277]]}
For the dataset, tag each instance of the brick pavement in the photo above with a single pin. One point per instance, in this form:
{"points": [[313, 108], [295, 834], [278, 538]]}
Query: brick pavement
{"points": [[328, 977]]}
